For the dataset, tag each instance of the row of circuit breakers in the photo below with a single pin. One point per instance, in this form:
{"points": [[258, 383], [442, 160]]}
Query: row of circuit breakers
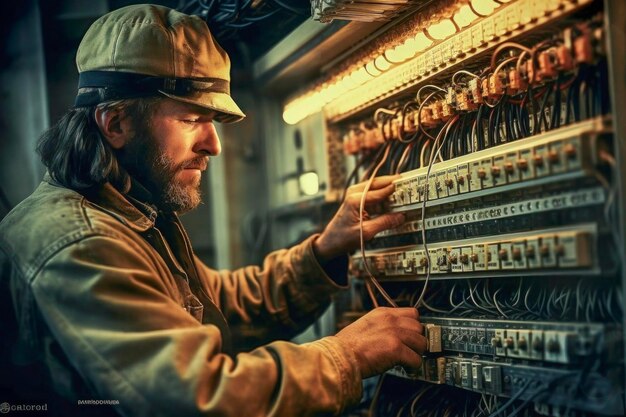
{"points": [[505, 357], [506, 184], [493, 171]]}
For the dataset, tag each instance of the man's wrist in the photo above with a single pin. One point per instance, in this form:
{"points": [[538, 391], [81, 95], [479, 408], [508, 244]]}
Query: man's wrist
{"points": [[335, 266], [320, 250]]}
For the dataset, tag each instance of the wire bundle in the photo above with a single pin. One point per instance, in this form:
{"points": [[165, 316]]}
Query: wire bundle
{"points": [[520, 299], [226, 17], [524, 91]]}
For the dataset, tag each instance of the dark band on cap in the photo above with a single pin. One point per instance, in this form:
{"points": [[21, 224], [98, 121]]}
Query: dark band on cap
{"points": [[116, 85]]}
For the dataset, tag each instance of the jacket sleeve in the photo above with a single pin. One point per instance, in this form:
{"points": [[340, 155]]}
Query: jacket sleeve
{"points": [[130, 341], [279, 299]]}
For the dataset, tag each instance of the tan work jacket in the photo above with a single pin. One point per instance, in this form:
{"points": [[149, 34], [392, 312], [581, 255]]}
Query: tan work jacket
{"points": [[109, 296]]}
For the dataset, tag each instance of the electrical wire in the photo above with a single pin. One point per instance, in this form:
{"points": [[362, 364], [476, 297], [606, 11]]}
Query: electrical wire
{"points": [[403, 158], [371, 277], [370, 291], [425, 147], [503, 63], [432, 86], [507, 45], [381, 110], [545, 105], [419, 395], [379, 153], [408, 105], [462, 72], [227, 17], [303, 12], [426, 193], [495, 301], [512, 399], [355, 171]]}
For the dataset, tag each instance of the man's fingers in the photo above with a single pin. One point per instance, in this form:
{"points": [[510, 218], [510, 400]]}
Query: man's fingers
{"points": [[420, 344], [372, 196], [413, 338], [407, 312], [410, 324], [379, 195], [408, 357], [386, 221], [379, 182]]}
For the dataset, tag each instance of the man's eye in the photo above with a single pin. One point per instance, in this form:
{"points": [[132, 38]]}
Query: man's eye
{"points": [[190, 121]]}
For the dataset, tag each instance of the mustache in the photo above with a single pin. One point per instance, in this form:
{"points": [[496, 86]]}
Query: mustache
{"points": [[201, 163]]}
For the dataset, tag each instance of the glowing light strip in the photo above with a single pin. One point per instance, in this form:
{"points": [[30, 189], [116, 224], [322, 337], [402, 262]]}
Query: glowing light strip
{"points": [[520, 17], [313, 101]]}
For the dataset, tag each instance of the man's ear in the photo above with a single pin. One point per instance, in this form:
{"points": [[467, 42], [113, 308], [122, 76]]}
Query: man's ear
{"points": [[115, 126]]}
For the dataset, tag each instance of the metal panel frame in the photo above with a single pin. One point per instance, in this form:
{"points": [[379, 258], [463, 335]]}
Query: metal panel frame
{"points": [[615, 25]]}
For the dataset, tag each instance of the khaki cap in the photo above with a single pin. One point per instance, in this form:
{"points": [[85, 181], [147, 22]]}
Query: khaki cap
{"points": [[147, 50]]}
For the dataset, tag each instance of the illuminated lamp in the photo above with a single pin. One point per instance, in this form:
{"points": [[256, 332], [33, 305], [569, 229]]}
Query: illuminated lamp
{"points": [[324, 94], [372, 70], [395, 55], [442, 29], [381, 63], [347, 82], [362, 75], [340, 87], [422, 42], [290, 115], [309, 183], [409, 48], [316, 103], [355, 79], [332, 91], [464, 16], [484, 7]]}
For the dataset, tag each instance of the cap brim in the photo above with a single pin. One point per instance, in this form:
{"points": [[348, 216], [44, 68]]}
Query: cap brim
{"points": [[226, 108]]}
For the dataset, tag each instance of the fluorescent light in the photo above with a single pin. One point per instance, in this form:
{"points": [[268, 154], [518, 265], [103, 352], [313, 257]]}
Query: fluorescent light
{"points": [[290, 115]]}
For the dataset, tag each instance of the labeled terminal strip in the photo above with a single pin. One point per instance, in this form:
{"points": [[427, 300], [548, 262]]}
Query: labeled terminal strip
{"points": [[567, 248], [567, 153]]}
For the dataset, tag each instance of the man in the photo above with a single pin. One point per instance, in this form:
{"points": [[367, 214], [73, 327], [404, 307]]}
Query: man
{"points": [[109, 301]]}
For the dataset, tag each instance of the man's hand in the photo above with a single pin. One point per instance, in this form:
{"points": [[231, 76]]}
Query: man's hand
{"points": [[385, 337], [341, 235]]}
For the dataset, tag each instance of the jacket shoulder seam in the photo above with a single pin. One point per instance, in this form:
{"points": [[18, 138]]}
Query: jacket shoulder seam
{"points": [[60, 244], [84, 213]]}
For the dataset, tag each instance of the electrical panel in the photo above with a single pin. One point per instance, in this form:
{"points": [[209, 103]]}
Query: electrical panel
{"points": [[504, 123]]}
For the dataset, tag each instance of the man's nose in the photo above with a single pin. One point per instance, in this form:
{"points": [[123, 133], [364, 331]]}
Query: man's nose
{"points": [[209, 142]]}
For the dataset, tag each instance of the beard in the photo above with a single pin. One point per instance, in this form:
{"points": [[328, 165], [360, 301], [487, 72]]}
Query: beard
{"points": [[147, 163]]}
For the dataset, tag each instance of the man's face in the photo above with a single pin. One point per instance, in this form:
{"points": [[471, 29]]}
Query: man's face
{"points": [[169, 152]]}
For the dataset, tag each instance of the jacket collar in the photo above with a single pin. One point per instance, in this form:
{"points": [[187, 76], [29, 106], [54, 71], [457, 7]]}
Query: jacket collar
{"points": [[127, 208]]}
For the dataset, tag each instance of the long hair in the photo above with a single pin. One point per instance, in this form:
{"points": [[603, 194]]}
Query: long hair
{"points": [[78, 156]]}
